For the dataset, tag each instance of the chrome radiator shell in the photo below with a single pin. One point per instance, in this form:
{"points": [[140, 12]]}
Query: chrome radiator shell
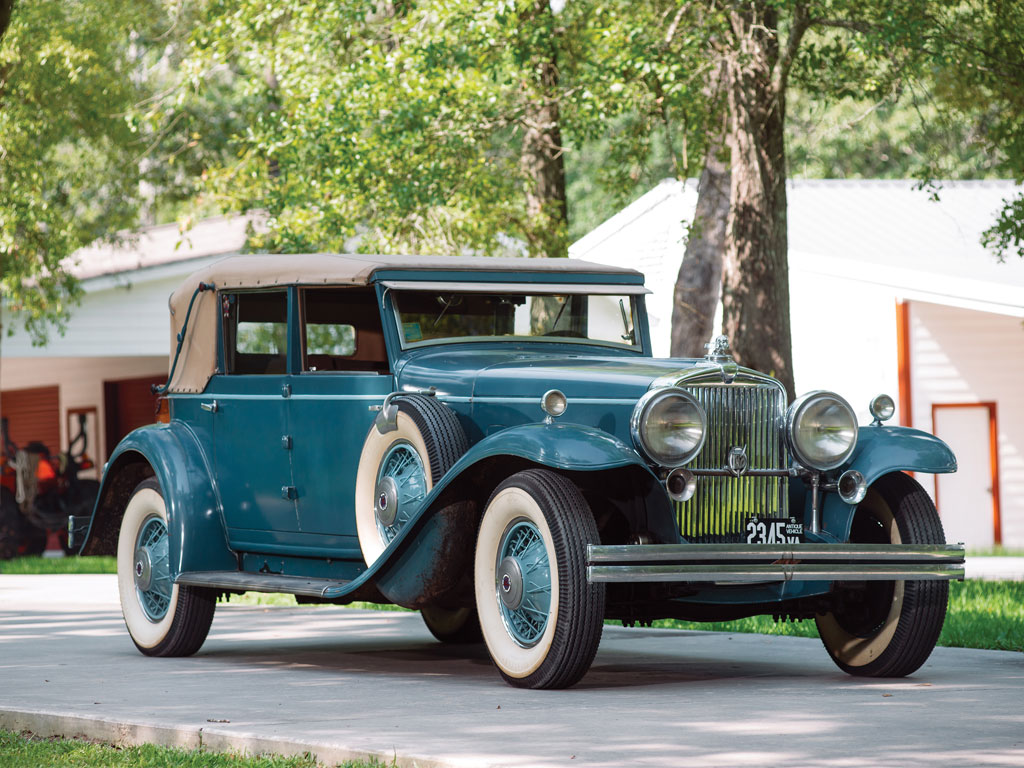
{"points": [[746, 410]]}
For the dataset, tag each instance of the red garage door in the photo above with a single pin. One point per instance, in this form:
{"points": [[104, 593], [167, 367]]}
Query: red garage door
{"points": [[33, 415], [129, 403]]}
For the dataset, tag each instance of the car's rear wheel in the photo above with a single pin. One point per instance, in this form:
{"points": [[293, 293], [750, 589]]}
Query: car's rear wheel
{"points": [[888, 628], [398, 468], [455, 626], [163, 618], [540, 617]]}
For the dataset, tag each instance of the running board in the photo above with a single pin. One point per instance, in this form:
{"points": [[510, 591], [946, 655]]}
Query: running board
{"points": [[723, 563], [242, 581]]}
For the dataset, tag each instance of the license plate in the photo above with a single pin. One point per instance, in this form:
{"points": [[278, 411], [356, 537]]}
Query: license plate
{"points": [[774, 530]]}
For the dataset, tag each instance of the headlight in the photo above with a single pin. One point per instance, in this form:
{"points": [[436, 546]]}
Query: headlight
{"points": [[822, 430], [668, 426]]}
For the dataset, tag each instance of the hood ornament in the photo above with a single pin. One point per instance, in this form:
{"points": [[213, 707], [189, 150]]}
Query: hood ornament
{"points": [[718, 348], [718, 355]]}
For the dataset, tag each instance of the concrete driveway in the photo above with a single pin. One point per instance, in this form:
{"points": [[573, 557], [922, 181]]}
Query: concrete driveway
{"points": [[343, 683]]}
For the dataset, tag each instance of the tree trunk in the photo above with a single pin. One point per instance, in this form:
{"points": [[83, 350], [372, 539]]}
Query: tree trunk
{"points": [[700, 275], [6, 9], [755, 284], [542, 161]]}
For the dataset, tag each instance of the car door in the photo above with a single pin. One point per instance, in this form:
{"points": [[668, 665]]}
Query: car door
{"points": [[249, 402], [345, 374]]}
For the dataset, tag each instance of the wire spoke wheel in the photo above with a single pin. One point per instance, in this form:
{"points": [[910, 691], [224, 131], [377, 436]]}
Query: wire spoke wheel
{"points": [[401, 487], [153, 582], [523, 582], [163, 618], [540, 617]]}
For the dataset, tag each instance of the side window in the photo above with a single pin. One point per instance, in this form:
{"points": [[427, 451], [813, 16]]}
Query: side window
{"points": [[342, 331], [255, 332]]}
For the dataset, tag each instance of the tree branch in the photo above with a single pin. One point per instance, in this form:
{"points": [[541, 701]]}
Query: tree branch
{"points": [[854, 26], [801, 22]]}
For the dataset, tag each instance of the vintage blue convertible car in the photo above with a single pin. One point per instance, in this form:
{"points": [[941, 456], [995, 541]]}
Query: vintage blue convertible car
{"points": [[489, 441]]}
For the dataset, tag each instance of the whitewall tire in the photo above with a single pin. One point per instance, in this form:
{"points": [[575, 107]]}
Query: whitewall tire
{"points": [[540, 618], [163, 618], [888, 628]]}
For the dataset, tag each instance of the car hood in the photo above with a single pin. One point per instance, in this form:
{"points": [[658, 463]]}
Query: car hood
{"points": [[528, 373]]}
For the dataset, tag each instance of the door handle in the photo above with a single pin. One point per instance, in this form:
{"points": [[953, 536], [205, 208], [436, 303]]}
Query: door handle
{"points": [[211, 407]]}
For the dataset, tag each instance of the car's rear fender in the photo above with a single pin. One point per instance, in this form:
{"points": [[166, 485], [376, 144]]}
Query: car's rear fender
{"points": [[195, 527], [880, 451]]}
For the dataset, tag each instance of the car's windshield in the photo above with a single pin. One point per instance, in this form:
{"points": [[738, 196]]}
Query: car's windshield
{"points": [[427, 317]]}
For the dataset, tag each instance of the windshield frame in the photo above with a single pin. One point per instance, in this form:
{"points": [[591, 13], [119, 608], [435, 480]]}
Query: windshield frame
{"points": [[633, 292]]}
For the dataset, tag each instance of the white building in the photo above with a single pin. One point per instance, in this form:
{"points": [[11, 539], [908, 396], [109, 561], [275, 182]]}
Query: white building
{"points": [[890, 292], [116, 344]]}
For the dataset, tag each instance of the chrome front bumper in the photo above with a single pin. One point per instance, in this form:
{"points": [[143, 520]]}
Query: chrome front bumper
{"points": [[724, 563]]}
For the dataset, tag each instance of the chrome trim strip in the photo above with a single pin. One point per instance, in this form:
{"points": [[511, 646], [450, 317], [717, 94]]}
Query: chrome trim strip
{"points": [[533, 400], [694, 553], [776, 572], [221, 396]]}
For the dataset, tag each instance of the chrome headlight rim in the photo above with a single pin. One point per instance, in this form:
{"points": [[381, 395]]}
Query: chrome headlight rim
{"points": [[639, 417], [798, 408]]}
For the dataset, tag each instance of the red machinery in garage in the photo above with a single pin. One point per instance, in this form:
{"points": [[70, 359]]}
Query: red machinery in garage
{"points": [[39, 490]]}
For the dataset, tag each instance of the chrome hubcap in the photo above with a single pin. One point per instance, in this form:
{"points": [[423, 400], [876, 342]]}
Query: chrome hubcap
{"points": [[401, 486], [510, 583], [523, 582], [386, 505], [143, 569]]}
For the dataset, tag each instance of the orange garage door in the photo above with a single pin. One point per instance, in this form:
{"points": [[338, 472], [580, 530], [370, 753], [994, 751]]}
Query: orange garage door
{"points": [[33, 415]]}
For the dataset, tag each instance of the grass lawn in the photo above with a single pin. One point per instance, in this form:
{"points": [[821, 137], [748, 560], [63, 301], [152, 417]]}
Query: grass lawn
{"points": [[19, 751], [982, 614]]}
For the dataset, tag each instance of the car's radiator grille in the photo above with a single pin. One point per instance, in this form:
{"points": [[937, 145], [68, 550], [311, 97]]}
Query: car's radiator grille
{"points": [[746, 415]]}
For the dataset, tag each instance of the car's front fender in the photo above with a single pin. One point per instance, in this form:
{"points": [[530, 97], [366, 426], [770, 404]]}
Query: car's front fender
{"points": [[881, 450], [195, 527], [438, 542], [568, 447]]}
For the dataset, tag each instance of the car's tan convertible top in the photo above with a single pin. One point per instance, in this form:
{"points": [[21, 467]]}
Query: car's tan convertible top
{"points": [[198, 358]]}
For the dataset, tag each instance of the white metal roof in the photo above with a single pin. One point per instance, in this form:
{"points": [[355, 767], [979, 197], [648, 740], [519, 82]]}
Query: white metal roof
{"points": [[162, 245], [883, 232]]}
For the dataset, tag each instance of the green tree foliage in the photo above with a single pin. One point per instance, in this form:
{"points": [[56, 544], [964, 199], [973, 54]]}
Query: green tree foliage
{"points": [[386, 127], [68, 157], [978, 54]]}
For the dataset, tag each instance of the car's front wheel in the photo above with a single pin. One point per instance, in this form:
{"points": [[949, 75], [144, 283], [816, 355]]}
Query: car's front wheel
{"points": [[540, 617], [888, 628], [163, 618]]}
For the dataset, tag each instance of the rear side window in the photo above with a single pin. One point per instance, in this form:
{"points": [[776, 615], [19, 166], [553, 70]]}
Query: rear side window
{"points": [[255, 332]]}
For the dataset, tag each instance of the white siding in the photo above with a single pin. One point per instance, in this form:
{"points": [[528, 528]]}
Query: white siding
{"points": [[131, 319], [844, 336], [80, 381], [963, 356]]}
